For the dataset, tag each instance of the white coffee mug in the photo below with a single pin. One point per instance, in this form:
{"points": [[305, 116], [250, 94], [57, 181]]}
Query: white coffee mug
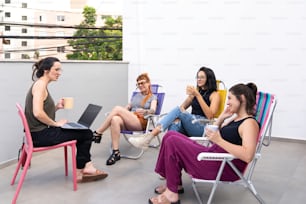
{"points": [[212, 127]]}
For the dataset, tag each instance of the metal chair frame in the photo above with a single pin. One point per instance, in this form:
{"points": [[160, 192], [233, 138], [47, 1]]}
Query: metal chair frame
{"points": [[152, 119], [266, 104]]}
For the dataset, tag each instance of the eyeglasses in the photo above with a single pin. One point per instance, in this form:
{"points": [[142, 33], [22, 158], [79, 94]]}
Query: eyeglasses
{"points": [[200, 77], [141, 83]]}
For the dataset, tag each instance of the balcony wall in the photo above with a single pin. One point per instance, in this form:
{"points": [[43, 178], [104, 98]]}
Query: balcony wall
{"points": [[104, 83]]}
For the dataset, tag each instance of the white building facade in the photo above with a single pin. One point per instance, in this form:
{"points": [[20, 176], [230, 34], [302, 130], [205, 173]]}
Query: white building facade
{"points": [[21, 15]]}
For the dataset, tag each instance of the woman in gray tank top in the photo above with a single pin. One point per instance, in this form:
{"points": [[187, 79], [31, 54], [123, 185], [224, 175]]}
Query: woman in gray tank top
{"points": [[45, 130], [130, 117]]}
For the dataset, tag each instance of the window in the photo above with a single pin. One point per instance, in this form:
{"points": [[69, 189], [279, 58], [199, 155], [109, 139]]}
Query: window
{"points": [[60, 18], [7, 28], [24, 18], [24, 30], [25, 56], [61, 33], [42, 18], [61, 49], [24, 43], [42, 33], [7, 55], [6, 42], [7, 14], [7, 1], [24, 5]]}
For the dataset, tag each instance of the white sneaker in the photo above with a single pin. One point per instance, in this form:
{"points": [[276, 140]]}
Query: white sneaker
{"points": [[142, 141]]}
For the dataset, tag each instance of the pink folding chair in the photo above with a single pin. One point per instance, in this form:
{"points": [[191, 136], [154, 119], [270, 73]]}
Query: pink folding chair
{"points": [[28, 149]]}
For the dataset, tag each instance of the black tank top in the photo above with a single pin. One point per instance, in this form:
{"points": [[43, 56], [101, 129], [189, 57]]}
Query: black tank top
{"points": [[230, 132], [196, 108]]}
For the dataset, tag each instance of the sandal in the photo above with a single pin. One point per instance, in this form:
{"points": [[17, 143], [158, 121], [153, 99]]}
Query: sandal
{"points": [[160, 189], [96, 137], [87, 177], [161, 199], [115, 156]]}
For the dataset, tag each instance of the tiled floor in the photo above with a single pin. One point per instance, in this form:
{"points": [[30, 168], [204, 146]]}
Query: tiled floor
{"points": [[279, 178]]}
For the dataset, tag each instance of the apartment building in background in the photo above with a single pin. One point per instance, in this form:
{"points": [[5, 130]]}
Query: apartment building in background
{"points": [[26, 20]]}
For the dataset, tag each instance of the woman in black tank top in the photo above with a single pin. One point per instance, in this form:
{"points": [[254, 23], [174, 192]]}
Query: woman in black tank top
{"points": [[204, 101], [238, 136]]}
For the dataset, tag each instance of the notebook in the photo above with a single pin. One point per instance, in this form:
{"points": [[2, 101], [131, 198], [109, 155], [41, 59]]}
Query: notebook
{"points": [[86, 119]]}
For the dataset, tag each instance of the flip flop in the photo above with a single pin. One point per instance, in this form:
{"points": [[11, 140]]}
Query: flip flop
{"points": [[161, 199], [88, 177]]}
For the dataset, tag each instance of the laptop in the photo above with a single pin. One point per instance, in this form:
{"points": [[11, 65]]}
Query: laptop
{"points": [[86, 119]]}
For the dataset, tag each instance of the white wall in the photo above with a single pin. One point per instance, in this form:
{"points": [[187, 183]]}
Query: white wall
{"points": [[242, 41]]}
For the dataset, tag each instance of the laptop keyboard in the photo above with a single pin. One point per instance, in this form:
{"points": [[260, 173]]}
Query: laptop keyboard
{"points": [[74, 125]]}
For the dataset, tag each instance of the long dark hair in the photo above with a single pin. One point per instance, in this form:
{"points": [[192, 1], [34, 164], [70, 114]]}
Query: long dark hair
{"points": [[42, 65], [211, 83], [249, 90]]}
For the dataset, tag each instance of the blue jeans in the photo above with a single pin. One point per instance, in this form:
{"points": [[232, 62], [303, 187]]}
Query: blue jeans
{"points": [[184, 125]]}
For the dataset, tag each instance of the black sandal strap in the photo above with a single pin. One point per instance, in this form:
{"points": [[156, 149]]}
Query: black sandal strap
{"points": [[96, 137], [115, 156], [95, 133]]}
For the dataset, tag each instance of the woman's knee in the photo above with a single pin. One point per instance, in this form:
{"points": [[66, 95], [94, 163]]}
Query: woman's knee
{"points": [[116, 120], [117, 109], [176, 121]]}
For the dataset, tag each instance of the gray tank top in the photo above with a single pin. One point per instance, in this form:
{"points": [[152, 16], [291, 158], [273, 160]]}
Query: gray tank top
{"points": [[137, 99], [49, 107]]}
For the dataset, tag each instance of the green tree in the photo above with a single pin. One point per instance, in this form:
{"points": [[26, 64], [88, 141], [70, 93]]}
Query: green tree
{"points": [[97, 44], [113, 48]]}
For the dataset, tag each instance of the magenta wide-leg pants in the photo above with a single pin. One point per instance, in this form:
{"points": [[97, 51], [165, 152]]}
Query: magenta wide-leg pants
{"points": [[178, 152]]}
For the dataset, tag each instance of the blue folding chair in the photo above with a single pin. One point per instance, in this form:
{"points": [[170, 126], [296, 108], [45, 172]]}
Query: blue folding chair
{"points": [[152, 119]]}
